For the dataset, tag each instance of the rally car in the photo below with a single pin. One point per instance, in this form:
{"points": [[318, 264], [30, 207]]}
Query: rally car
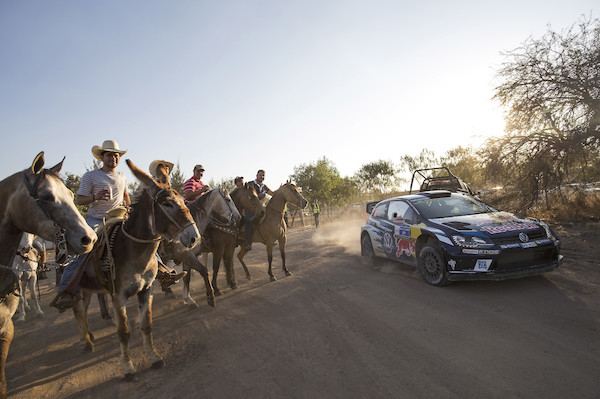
{"points": [[454, 236]]}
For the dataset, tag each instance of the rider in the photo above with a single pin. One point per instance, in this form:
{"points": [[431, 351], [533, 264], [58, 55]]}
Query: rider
{"points": [[165, 275], [238, 181], [261, 190], [102, 190], [194, 187]]}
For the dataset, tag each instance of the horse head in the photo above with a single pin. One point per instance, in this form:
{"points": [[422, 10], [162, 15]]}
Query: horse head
{"points": [[246, 197], [169, 217], [292, 195], [44, 205], [26, 244], [222, 209]]}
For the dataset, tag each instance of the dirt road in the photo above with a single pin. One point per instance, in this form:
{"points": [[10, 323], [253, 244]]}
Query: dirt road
{"points": [[338, 329]]}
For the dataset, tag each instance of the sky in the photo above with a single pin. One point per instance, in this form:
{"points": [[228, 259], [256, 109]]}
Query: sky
{"points": [[243, 85]]}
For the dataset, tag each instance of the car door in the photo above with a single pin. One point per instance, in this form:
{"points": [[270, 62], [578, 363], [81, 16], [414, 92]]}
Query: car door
{"points": [[402, 216]]}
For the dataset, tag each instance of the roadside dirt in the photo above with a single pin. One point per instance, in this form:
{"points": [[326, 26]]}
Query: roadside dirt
{"points": [[338, 328]]}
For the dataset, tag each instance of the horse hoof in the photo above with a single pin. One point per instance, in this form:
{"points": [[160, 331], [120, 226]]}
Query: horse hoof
{"points": [[218, 293], [248, 277], [158, 364], [273, 278], [110, 322], [288, 274], [131, 377], [234, 286], [89, 348]]}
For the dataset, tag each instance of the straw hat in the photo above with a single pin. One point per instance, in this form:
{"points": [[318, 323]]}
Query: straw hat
{"points": [[154, 166], [107, 146]]}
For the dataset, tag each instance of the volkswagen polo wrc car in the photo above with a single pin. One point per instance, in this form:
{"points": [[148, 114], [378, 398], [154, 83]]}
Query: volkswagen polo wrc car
{"points": [[453, 236]]}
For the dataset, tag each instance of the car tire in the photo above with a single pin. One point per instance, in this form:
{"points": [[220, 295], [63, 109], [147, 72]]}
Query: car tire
{"points": [[432, 265], [367, 252]]}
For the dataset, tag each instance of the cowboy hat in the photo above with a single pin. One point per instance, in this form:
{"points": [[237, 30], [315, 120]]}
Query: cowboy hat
{"points": [[107, 146], [154, 166]]}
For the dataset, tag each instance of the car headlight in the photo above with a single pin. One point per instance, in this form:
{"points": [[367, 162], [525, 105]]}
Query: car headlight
{"points": [[471, 241]]}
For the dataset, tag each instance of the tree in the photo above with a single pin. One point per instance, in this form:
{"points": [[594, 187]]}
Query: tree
{"points": [[466, 164], [72, 182], [425, 159], [177, 179], [321, 181], [551, 88], [378, 177]]}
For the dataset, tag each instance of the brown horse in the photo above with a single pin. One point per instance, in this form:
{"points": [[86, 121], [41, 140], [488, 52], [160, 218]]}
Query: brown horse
{"points": [[222, 240], [37, 201], [213, 208], [159, 213], [272, 227]]}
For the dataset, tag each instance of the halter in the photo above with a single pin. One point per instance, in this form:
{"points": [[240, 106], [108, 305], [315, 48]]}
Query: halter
{"points": [[216, 220], [157, 237], [60, 234]]}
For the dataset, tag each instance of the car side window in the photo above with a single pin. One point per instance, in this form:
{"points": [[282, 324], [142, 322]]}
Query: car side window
{"points": [[410, 216], [397, 210], [380, 211]]}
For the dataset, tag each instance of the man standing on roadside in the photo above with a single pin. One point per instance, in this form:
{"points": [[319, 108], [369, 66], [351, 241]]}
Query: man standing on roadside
{"points": [[316, 212], [102, 190], [193, 187]]}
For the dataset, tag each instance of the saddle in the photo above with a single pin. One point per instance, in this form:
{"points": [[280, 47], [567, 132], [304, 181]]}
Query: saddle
{"points": [[97, 267]]}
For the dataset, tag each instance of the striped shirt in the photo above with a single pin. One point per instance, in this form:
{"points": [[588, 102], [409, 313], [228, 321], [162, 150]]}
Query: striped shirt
{"points": [[192, 184], [94, 181]]}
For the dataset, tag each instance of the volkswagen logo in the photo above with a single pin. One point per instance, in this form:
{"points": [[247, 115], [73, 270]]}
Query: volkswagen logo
{"points": [[523, 237]]}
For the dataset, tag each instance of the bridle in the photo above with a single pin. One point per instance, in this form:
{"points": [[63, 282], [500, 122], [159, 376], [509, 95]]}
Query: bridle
{"points": [[216, 219], [60, 234], [157, 237]]}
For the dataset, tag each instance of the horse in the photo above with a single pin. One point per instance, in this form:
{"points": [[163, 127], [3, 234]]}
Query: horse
{"points": [[213, 207], [159, 214], [222, 240], [37, 201], [26, 266], [272, 226]]}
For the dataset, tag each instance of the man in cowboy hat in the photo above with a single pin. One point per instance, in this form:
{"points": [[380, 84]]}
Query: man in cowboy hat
{"points": [[166, 276], [102, 190]]}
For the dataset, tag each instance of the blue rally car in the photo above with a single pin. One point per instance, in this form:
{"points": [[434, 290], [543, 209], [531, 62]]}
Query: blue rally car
{"points": [[453, 236]]}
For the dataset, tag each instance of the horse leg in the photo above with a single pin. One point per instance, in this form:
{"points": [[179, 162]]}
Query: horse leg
{"points": [[240, 255], [119, 301], [104, 308], [36, 303], [282, 242], [145, 306], [7, 331], [80, 311], [228, 263], [217, 256], [191, 261], [270, 260], [22, 301]]}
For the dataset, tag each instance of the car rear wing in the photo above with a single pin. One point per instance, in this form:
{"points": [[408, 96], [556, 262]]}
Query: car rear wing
{"points": [[370, 206]]}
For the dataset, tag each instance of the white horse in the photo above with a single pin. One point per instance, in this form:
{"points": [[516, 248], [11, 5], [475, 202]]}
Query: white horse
{"points": [[25, 265]]}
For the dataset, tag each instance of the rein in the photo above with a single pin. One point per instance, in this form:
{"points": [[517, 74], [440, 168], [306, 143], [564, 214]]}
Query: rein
{"points": [[157, 237]]}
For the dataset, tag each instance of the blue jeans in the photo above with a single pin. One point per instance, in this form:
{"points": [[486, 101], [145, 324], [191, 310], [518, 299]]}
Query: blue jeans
{"points": [[248, 226], [72, 267]]}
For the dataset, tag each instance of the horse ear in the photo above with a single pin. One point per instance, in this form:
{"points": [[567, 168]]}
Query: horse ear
{"points": [[56, 168], [140, 175], [38, 163], [162, 175]]}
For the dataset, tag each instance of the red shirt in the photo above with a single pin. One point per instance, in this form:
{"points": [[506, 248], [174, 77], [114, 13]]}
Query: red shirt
{"points": [[192, 184]]}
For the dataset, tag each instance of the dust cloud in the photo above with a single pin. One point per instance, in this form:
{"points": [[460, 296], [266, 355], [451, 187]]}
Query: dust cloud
{"points": [[344, 232]]}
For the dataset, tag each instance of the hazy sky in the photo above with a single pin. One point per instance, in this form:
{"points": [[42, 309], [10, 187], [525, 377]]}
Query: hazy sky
{"points": [[244, 85]]}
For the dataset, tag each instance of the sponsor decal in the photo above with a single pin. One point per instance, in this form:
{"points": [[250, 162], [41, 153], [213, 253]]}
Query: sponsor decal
{"points": [[482, 265], [529, 244], [481, 251], [402, 231], [388, 243], [405, 247], [509, 226], [506, 246]]}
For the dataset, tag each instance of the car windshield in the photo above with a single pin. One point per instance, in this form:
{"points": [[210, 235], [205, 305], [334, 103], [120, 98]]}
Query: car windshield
{"points": [[433, 208]]}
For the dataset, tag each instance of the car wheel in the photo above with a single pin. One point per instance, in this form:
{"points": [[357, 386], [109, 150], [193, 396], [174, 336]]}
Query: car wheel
{"points": [[432, 265], [367, 252]]}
